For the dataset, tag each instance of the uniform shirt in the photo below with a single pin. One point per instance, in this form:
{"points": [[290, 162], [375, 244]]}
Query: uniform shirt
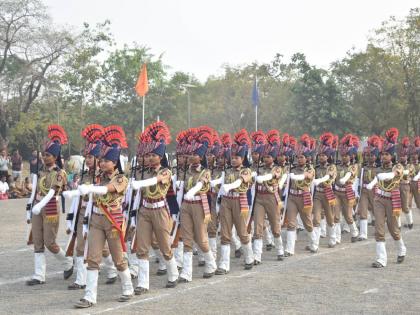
{"points": [[369, 173], [112, 200], [159, 190], [341, 172], [389, 185], [216, 174], [195, 175], [411, 170], [51, 178], [301, 184], [271, 185], [326, 169], [233, 174]]}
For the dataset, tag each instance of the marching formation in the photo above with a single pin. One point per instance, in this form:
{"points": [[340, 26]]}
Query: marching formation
{"points": [[234, 190]]}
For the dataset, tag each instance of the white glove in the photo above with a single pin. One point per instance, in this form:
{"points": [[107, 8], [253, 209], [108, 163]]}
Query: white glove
{"points": [[318, 181], [372, 184], [69, 194], [417, 177], [28, 216], [178, 184], [133, 222], [84, 189], [282, 181], [191, 193], [254, 174], [406, 172], [228, 187], [69, 224], [218, 181], [85, 230], [137, 184], [263, 178], [38, 207], [385, 176], [344, 179], [297, 177]]}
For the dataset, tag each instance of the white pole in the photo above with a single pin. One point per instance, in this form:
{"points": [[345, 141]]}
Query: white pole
{"points": [[144, 105]]}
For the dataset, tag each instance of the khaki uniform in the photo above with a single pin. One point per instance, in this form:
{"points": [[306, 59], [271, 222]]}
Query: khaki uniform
{"points": [[267, 201], [344, 206], [295, 203], [230, 209], [383, 204], [367, 196], [154, 217], [193, 226], [414, 185], [214, 191], [101, 229], [45, 225], [321, 203], [405, 189]]}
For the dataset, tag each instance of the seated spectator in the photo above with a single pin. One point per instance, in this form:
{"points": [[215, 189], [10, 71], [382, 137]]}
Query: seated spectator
{"points": [[4, 188], [28, 185]]}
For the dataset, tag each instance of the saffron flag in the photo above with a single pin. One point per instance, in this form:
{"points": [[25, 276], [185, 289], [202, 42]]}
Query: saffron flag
{"points": [[142, 86]]}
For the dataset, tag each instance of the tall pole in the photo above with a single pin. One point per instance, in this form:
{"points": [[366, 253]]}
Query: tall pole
{"points": [[256, 118], [144, 105], [189, 108]]}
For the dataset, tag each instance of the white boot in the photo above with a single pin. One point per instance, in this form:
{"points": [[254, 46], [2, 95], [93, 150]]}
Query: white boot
{"points": [[162, 262], [40, 267], [409, 217], [179, 254], [323, 231], [187, 268], [210, 264], [290, 242], [279, 246], [363, 230], [66, 262], [257, 249], [235, 239], [337, 233], [346, 227], [200, 257], [402, 250], [172, 270], [354, 231], [126, 285], [399, 221], [91, 286], [109, 268], [331, 231], [248, 254], [143, 277], [268, 236], [213, 246], [381, 256], [224, 262], [314, 239], [81, 271], [133, 265]]}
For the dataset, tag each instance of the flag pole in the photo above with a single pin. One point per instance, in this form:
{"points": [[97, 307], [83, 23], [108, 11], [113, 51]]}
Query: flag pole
{"points": [[256, 118], [142, 125]]}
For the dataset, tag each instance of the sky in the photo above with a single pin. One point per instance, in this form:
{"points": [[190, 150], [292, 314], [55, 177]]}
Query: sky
{"points": [[199, 36]]}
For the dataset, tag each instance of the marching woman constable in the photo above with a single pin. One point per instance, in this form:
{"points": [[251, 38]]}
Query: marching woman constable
{"points": [[154, 215], [234, 207], [195, 207], [269, 181], [346, 175], [106, 220], [388, 200], [45, 214], [409, 169], [299, 197]]}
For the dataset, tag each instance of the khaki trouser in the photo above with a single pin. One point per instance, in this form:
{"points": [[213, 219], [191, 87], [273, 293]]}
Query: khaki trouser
{"points": [[322, 206], [157, 222], [44, 233], [193, 228], [383, 211], [101, 231], [80, 239], [230, 214], [343, 207], [366, 202], [405, 197], [295, 206], [214, 223], [266, 203], [416, 193]]}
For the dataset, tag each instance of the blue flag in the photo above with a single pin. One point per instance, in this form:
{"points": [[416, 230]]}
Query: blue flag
{"points": [[255, 96]]}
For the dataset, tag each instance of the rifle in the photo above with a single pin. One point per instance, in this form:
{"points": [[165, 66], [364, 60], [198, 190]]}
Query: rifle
{"points": [[29, 206], [131, 197], [75, 217], [175, 233], [251, 217], [134, 239], [88, 214]]}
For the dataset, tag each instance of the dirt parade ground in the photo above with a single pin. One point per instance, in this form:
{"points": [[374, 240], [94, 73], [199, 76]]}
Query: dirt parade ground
{"points": [[338, 280]]}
